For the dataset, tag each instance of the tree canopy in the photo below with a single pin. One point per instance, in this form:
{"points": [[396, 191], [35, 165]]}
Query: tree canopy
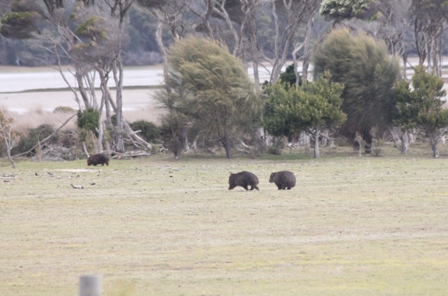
{"points": [[368, 74], [311, 107], [212, 88], [421, 106]]}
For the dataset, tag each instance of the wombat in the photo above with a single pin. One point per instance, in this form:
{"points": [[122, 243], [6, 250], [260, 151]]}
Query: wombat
{"points": [[283, 180], [98, 159], [243, 179]]}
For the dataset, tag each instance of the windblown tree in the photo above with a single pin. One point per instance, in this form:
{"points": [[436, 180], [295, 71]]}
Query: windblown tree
{"points": [[389, 21], [368, 74], [312, 107], [88, 35], [422, 106], [211, 88]]}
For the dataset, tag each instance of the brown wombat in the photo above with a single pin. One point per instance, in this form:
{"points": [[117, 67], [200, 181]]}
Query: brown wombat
{"points": [[283, 180], [98, 159], [243, 179]]}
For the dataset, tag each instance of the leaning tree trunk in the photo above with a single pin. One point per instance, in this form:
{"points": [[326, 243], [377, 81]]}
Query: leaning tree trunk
{"points": [[162, 48], [8, 154]]}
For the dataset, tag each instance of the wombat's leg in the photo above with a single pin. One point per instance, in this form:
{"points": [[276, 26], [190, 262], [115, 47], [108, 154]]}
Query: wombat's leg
{"points": [[255, 187], [245, 187], [279, 187]]}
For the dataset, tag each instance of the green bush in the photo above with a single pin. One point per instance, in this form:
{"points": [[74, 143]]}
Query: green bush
{"points": [[148, 130], [88, 120], [173, 132], [274, 150], [35, 135]]}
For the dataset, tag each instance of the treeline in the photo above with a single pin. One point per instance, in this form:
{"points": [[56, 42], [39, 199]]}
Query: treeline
{"points": [[261, 29], [207, 46]]}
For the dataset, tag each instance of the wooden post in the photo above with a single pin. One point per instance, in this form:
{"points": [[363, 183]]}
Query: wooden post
{"points": [[90, 285]]}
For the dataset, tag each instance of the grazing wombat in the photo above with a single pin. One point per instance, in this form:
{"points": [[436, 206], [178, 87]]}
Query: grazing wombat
{"points": [[283, 180], [98, 159], [243, 179]]}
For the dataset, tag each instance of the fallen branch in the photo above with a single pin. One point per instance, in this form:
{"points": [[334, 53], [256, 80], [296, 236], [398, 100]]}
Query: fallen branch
{"points": [[77, 186], [47, 138]]}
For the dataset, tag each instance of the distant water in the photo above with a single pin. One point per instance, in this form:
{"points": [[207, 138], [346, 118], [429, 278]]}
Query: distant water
{"points": [[52, 79], [133, 76]]}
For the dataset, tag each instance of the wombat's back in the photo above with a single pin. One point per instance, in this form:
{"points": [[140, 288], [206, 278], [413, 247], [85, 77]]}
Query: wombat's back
{"points": [[96, 159], [283, 179], [243, 179]]}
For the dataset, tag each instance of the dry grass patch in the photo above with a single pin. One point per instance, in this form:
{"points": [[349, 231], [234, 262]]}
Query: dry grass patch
{"points": [[36, 117], [154, 226]]}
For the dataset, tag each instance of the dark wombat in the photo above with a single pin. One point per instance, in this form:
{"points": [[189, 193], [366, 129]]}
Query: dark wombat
{"points": [[98, 159], [243, 179], [283, 180]]}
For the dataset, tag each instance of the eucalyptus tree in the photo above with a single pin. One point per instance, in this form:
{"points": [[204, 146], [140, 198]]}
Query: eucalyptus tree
{"points": [[287, 17], [212, 89], [421, 106], [171, 16], [389, 21], [368, 74], [89, 35], [429, 20], [339, 10]]}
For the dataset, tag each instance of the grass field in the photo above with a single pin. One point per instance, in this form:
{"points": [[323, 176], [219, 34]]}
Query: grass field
{"points": [[155, 226]]}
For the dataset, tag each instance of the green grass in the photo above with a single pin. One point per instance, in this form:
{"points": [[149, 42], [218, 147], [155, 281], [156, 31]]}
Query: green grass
{"points": [[155, 226]]}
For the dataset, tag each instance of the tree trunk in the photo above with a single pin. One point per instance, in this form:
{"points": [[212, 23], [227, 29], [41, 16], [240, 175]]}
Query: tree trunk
{"points": [[367, 136], [316, 143], [433, 142], [82, 91], [118, 77], [104, 99], [228, 147], [405, 62], [159, 41], [306, 50], [404, 143], [8, 154], [325, 138], [186, 143]]}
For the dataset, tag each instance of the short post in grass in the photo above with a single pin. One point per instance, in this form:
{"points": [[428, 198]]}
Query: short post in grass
{"points": [[90, 285]]}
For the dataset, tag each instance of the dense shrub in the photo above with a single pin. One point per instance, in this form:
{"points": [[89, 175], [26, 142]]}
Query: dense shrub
{"points": [[68, 138], [89, 139], [148, 130], [173, 132], [88, 120], [37, 134], [274, 150]]}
